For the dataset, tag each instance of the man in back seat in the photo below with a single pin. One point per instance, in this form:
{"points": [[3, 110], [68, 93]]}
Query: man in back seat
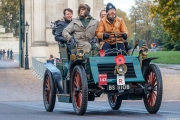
{"points": [[61, 24]]}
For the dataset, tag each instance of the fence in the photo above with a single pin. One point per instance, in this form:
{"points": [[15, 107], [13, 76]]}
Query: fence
{"points": [[38, 67]]}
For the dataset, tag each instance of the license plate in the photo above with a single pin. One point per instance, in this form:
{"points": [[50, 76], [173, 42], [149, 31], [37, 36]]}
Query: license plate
{"points": [[102, 79], [118, 87], [120, 80]]}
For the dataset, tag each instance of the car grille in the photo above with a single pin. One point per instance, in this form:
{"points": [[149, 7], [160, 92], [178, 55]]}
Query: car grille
{"points": [[109, 70]]}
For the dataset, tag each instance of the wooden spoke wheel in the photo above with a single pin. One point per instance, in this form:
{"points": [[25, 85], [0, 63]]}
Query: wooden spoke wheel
{"points": [[79, 90], [153, 98], [114, 101], [49, 96]]}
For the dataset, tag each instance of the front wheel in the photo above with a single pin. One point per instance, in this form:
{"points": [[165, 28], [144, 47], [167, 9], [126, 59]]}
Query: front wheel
{"points": [[79, 90], [153, 78], [49, 94], [114, 101]]}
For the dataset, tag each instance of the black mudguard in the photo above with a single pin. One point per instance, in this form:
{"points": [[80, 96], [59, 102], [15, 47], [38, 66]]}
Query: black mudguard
{"points": [[146, 62], [57, 77]]}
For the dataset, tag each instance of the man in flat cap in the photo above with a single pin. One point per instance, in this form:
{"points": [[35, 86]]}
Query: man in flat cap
{"points": [[111, 24]]}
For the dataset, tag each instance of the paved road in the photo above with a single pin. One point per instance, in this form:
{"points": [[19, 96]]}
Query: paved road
{"points": [[21, 99], [34, 110]]}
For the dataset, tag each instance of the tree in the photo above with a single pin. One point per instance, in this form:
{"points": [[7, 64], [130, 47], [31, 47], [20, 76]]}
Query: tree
{"points": [[144, 21], [9, 15], [169, 13], [127, 21]]}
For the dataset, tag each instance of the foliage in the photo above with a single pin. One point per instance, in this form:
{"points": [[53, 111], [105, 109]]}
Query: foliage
{"points": [[144, 21], [169, 13], [126, 19], [9, 15]]}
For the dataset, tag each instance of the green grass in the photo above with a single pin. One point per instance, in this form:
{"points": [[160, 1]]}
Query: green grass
{"points": [[165, 57]]}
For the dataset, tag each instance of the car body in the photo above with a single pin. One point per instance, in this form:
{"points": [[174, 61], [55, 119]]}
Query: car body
{"points": [[91, 74]]}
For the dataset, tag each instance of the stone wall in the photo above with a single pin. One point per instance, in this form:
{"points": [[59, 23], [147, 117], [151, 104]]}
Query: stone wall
{"points": [[8, 41]]}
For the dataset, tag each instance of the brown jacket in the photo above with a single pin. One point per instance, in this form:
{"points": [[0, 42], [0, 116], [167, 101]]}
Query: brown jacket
{"points": [[105, 26]]}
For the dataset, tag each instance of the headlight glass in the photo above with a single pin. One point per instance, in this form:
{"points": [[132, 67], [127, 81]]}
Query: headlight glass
{"points": [[80, 52], [122, 69]]}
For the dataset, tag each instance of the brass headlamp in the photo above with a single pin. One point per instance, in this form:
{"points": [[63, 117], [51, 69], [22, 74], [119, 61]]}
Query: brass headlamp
{"points": [[120, 69], [145, 50], [80, 52]]}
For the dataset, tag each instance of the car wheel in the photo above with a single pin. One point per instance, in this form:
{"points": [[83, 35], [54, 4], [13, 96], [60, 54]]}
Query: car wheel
{"points": [[114, 101], [152, 100], [49, 94], [79, 90]]}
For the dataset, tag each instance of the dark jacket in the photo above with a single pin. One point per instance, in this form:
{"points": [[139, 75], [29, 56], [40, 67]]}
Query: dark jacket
{"points": [[60, 25]]}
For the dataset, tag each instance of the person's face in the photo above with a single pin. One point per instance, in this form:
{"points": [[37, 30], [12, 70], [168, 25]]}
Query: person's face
{"points": [[112, 13], [68, 15], [82, 11], [103, 14]]}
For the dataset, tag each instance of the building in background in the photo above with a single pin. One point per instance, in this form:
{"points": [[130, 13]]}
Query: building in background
{"points": [[40, 13]]}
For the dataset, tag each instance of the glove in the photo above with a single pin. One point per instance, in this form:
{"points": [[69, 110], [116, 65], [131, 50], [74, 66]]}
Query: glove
{"points": [[124, 36], [73, 42], [127, 46], [105, 36], [60, 39], [94, 40]]}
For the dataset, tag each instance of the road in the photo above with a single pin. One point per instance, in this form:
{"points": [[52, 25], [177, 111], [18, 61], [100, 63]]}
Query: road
{"points": [[97, 110], [21, 99]]}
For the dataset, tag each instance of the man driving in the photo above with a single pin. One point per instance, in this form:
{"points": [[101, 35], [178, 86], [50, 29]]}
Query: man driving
{"points": [[111, 24], [83, 28]]}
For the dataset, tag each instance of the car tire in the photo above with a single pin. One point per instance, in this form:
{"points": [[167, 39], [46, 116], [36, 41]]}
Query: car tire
{"points": [[79, 90], [114, 101], [152, 100], [49, 94]]}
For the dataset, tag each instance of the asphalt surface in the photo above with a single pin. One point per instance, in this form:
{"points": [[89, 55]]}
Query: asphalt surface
{"points": [[97, 110], [21, 99]]}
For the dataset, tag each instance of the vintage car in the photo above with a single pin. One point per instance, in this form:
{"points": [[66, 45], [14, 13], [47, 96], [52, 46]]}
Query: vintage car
{"points": [[91, 74]]}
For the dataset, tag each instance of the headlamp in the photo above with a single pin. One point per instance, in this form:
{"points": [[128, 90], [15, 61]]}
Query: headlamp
{"points": [[121, 69], [80, 52], [145, 51]]}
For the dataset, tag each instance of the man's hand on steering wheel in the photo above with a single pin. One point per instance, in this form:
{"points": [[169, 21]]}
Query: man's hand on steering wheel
{"points": [[105, 36], [124, 36]]}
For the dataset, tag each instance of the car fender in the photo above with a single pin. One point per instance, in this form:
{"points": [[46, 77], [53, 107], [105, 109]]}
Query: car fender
{"points": [[146, 62], [57, 77]]}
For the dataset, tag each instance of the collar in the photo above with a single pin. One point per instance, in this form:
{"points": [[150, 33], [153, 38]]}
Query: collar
{"points": [[82, 18], [65, 20], [108, 20]]}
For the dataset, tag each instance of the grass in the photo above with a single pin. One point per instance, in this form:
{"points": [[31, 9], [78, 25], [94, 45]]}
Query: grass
{"points": [[165, 57]]}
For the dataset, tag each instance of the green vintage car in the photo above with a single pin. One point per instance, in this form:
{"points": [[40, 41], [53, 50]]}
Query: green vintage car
{"points": [[91, 74]]}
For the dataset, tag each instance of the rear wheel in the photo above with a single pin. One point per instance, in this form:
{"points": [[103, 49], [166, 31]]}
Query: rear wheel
{"points": [[49, 95], [152, 100], [114, 101], [79, 90]]}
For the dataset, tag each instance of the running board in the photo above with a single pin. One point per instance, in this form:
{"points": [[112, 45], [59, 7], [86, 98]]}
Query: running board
{"points": [[64, 98]]}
